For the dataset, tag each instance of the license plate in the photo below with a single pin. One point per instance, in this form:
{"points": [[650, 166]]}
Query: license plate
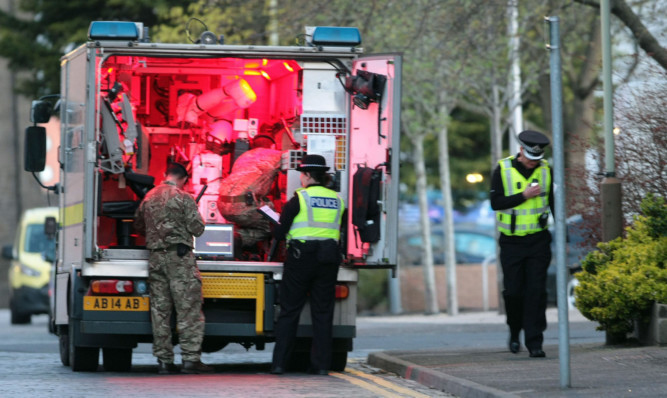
{"points": [[110, 303]]}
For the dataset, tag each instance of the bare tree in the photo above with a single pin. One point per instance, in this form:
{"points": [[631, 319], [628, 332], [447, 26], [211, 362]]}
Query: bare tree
{"points": [[461, 50], [640, 155], [641, 150], [430, 289], [644, 37]]}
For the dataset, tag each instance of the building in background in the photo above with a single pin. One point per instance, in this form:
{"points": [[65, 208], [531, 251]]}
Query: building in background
{"points": [[19, 190]]}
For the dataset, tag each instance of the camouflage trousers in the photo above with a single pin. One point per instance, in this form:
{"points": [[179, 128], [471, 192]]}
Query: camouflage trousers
{"points": [[175, 282]]}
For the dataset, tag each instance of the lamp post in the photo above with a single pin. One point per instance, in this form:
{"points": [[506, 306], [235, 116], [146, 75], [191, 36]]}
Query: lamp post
{"points": [[559, 197], [610, 189]]}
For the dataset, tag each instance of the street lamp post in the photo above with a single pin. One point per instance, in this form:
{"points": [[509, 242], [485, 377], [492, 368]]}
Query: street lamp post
{"points": [[610, 189], [559, 198]]}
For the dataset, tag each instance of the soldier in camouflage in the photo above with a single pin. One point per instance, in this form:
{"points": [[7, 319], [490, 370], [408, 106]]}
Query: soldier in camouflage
{"points": [[169, 218]]}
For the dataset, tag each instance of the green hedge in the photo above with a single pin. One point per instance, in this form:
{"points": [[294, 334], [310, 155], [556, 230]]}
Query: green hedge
{"points": [[373, 291], [620, 281]]}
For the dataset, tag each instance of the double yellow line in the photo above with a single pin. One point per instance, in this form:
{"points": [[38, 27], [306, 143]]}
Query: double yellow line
{"points": [[390, 389]]}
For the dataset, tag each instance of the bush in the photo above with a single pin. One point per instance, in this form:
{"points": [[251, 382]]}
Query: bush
{"points": [[620, 282], [373, 291]]}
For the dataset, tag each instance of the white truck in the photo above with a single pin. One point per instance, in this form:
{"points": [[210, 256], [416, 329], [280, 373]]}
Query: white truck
{"points": [[240, 118]]}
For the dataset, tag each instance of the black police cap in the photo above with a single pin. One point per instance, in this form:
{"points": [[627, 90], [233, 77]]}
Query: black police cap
{"points": [[533, 144], [313, 163]]}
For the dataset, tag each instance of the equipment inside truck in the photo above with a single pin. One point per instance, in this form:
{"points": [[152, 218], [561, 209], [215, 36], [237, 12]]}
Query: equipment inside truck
{"points": [[235, 123]]}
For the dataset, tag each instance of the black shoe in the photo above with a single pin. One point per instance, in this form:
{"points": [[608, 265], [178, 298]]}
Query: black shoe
{"points": [[277, 370], [514, 346], [196, 367], [165, 368], [537, 353]]}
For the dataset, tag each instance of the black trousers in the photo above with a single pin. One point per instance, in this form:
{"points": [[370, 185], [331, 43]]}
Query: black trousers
{"points": [[525, 280], [304, 277]]}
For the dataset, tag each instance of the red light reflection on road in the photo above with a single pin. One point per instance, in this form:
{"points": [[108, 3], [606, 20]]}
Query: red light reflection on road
{"points": [[182, 383]]}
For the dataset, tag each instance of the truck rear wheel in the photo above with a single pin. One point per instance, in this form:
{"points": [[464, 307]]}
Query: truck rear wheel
{"points": [[20, 319], [338, 361], [63, 343], [117, 359], [17, 317], [52, 324], [300, 359], [82, 359], [341, 346]]}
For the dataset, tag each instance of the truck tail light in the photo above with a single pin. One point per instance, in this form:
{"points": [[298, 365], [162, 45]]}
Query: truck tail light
{"points": [[112, 286], [342, 291]]}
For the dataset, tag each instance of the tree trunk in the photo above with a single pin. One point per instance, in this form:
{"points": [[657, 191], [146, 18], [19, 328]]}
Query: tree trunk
{"points": [[614, 338], [448, 221], [430, 290], [496, 154], [514, 86], [579, 114]]}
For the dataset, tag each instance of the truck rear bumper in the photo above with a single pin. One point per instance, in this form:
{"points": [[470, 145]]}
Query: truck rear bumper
{"points": [[232, 331]]}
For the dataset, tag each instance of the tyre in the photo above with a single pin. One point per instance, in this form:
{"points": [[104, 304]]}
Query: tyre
{"points": [[117, 359], [82, 359], [300, 359], [574, 282], [212, 345], [19, 319], [341, 347], [51, 325], [338, 361], [63, 343]]}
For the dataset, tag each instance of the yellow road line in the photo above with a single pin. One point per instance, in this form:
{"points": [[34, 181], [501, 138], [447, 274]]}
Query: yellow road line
{"points": [[364, 385], [379, 381], [387, 384]]}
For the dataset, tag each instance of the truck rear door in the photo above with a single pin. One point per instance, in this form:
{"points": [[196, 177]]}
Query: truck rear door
{"points": [[374, 143], [73, 155]]}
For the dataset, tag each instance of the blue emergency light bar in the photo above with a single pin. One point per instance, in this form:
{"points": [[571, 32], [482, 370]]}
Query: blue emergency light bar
{"points": [[336, 36], [113, 30]]}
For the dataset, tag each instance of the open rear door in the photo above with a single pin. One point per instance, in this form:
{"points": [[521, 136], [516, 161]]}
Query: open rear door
{"points": [[374, 143]]}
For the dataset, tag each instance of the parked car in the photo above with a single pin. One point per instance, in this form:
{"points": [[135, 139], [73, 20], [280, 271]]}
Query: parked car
{"points": [[472, 245], [576, 250], [30, 268]]}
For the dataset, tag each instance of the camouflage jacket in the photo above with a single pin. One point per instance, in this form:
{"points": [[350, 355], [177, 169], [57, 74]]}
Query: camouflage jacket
{"points": [[167, 216]]}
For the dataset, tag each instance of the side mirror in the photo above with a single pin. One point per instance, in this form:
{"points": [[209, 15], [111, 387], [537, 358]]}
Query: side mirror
{"points": [[49, 255], [35, 149], [40, 111], [8, 252], [50, 227]]}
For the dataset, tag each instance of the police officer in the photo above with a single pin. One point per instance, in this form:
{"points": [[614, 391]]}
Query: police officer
{"points": [[169, 217], [522, 196], [310, 222]]}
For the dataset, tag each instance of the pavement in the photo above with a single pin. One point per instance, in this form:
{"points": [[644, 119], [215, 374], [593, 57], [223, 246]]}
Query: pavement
{"points": [[594, 369]]}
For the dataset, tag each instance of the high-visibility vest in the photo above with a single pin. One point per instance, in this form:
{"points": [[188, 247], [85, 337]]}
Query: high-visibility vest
{"points": [[528, 213], [320, 214]]}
